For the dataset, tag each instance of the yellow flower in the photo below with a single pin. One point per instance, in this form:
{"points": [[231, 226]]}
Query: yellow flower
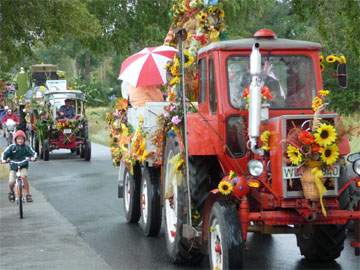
{"points": [[294, 155], [324, 92], [225, 187], [342, 59], [316, 103], [175, 80], [330, 154], [325, 135], [188, 58], [322, 67], [321, 58], [331, 58], [264, 138]]}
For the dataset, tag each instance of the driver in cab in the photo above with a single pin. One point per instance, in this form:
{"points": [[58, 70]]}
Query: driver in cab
{"points": [[67, 110]]}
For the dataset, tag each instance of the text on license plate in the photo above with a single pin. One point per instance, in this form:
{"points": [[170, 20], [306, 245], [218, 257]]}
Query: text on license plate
{"points": [[292, 172], [67, 130]]}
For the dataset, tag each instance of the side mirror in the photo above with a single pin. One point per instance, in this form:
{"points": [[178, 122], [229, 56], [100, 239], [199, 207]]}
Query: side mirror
{"points": [[341, 75]]}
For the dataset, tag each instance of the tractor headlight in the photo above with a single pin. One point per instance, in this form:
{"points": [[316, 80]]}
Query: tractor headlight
{"points": [[255, 167], [356, 166]]}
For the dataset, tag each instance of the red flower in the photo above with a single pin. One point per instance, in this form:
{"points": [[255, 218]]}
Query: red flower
{"points": [[315, 148], [246, 92], [306, 137], [266, 93]]}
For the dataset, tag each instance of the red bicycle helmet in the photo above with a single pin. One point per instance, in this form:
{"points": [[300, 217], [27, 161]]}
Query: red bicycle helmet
{"points": [[19, 133]]}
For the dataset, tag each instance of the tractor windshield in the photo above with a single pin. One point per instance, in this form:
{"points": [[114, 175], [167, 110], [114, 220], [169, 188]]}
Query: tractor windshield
{"points": [[290, 79]]}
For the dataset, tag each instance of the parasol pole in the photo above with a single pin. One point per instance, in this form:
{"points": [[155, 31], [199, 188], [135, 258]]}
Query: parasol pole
{"points": [[188, 231]]}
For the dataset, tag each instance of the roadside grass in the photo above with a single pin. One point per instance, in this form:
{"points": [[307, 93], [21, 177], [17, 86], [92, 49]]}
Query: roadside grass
{"points": [[354, 121], [98, 129]]}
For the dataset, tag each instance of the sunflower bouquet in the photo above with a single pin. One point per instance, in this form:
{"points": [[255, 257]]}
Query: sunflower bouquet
{"points": [[313, 150]]}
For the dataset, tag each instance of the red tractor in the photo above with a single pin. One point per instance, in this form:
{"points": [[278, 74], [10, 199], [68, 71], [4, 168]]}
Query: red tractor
{"points": [[222, 140]]}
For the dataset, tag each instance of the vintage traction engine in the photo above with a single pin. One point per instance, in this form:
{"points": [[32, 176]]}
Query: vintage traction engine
{"points": [[255, 158]]}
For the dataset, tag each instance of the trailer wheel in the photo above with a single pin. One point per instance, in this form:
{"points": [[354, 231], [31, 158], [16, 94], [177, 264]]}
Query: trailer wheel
{"points": [[131, 195], [46, 150], [179, 249], [150, 206], [225, 243], [322, 242]]}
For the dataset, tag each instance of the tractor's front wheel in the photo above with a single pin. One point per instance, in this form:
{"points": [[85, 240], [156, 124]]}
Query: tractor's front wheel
{"points": [[46, 150], [87, 151], [225, 243], [179, 249], [321, 242], [150, 206]]}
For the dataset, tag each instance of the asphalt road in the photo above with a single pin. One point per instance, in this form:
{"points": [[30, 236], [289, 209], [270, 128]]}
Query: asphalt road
{"points": [[84, 196]]}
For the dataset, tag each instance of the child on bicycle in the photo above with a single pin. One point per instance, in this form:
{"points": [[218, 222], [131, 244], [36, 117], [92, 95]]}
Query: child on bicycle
{"points": [[18, 151]]}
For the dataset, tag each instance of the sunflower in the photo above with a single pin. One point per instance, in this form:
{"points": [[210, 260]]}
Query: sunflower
{"points": [[294, 155], [342, 59], [321, 58], [225, 187], [330, 154], [325, 135], [331, 58], [188, 58], [322, 67], [324, 92], [316, 103], [264, 138]]}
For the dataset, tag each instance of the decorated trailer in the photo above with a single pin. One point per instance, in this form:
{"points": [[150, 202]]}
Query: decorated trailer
{"points": [[259, 152]]}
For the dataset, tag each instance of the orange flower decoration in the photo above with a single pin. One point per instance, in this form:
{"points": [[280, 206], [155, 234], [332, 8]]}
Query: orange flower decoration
{"points": [[306, 137], [246, 92], [121, 104], [266, 93], [315, 148]]}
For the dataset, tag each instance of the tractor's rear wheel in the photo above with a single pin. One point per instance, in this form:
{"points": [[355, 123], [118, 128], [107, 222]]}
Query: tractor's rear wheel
{"points": [[225, 243], [150, 205], [179, 249], [322, 242], [131, 195]]}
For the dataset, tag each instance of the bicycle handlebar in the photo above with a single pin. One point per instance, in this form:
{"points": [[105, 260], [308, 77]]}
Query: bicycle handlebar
{"points": [[19, 162]]}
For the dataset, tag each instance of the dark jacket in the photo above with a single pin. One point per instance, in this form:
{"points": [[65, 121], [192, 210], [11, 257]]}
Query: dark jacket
{"points": [[17, 152]]}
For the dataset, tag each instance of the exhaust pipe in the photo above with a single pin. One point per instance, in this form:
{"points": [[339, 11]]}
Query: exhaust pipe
{"points": [[255, 99]]}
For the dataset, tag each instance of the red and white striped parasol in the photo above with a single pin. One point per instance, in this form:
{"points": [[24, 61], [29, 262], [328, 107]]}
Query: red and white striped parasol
{"points": [[147, 67]]}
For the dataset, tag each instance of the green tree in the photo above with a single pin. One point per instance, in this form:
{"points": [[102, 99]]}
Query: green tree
{"points": [[23, 24]]}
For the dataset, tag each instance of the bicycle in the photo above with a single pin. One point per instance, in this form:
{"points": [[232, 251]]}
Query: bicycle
{"points": [[19, 185]]}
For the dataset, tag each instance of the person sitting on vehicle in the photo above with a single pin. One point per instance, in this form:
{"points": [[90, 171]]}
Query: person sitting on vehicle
{"points": [[67, 110], [18, 151]]}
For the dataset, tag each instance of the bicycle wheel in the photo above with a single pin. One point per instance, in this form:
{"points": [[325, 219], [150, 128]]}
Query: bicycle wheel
{"points": [[20, 199]]}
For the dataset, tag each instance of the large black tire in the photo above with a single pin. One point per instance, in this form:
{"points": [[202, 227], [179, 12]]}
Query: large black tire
{"points": [[131, 196], [203, 171], [46, 150], [87, 151], [322, 242], [150, 205], [225, 245], [179, 249], [82, 151]]}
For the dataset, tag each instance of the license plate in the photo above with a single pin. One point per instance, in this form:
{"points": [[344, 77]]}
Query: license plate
{"points": [[292, 172], [67, 130]]}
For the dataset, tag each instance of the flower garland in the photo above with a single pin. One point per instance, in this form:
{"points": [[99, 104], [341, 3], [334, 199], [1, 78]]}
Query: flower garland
{"points": [[203, 24]]}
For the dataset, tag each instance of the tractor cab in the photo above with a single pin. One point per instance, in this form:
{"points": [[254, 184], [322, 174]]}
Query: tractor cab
{"points": [[290, 71]]}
